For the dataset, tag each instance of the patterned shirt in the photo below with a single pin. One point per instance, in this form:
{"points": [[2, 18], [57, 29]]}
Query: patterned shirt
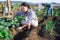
{"points": [[30, 15]]}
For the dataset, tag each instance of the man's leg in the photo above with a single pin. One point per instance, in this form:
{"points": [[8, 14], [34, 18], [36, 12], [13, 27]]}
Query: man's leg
{"points": [[52, 12], [48, 11]]}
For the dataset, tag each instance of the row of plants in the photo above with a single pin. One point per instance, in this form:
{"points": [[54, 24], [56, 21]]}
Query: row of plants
{"points": [[4, 26], [40, 13], [49, 27], [56, 11]]}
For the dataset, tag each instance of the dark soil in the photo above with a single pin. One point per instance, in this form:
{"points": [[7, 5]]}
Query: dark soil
{"points": [[37, 33]]}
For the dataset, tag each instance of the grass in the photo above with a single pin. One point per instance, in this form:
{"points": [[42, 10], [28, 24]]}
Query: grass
{"points": [[49, 27]]}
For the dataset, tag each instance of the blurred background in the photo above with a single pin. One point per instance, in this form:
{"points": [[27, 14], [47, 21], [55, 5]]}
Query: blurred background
{"points": [[12, 6]]}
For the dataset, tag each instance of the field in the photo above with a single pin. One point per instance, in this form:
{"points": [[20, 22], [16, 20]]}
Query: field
{"points": [[48, 28]]}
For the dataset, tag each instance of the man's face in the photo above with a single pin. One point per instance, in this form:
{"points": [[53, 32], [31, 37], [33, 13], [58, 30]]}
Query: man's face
{"points": [[24, 9]]}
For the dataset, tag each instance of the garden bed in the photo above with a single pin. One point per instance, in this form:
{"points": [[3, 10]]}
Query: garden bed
{"points": [[38, 34]]}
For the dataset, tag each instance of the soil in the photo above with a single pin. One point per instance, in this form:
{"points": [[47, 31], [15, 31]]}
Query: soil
{"points": [[37, 33]]}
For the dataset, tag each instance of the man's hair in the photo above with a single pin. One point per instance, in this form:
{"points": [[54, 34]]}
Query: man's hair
{"points": [[25, 4]]}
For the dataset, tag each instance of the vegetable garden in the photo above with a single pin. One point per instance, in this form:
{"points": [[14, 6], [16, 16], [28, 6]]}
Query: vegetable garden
{"points": [[48, 29]]}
